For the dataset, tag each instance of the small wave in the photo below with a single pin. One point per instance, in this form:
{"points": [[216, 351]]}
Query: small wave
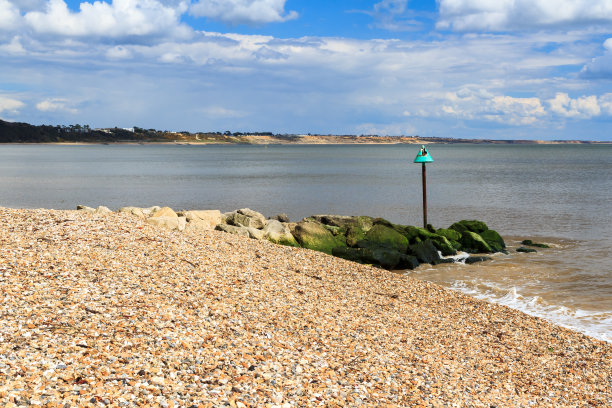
{"points": [[596, 324]]}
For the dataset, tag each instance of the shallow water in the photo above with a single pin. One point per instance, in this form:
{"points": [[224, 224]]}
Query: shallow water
{"points": [[558, 194]]}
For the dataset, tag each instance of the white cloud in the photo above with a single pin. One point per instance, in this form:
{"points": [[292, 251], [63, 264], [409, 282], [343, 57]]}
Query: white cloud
{"points": [[55, 105], [600, 67], [9, 16], [605, 102], [10, 105], [121, 18], [500, 15], [252, 12], [477, 103], [584, 107]]}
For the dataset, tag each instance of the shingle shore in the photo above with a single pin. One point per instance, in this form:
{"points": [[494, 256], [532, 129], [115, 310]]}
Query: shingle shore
{"points": [[105, 310]]}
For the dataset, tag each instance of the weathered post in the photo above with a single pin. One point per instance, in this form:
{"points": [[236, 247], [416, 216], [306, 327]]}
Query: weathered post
{"points": [[424, 157]]}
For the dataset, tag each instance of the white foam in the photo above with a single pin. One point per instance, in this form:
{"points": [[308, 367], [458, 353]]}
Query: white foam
{"points": [[596, 324]]}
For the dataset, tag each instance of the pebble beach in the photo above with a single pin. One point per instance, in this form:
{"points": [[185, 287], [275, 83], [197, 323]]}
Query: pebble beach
{"points": [[104, 310]]}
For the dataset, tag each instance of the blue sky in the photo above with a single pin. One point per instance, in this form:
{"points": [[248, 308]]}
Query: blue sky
{"points": [[501, 69]]}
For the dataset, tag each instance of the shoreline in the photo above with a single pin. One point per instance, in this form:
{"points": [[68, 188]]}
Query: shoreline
{"points": [[106, 307]]}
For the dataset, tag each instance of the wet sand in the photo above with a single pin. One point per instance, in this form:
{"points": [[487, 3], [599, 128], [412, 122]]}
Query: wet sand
{"points": [[105, 310]]}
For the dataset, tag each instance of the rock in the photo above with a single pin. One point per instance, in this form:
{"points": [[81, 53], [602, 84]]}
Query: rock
{"points": [[86, 209], [362, 222], [204, 219], [150, 210], [313, 235], [279, 233], [529, 242], [381, 235], [384, 257], [425, 252], [246, 217], [232, 229], [164, 212], [523, 249], [473, 226], [103, 210], [449, 234], [169, 222], [495, 241], [255, 233], [354, 235], [135, 211], [473, 259], [443, 245], [471, 242], [282, 217]]}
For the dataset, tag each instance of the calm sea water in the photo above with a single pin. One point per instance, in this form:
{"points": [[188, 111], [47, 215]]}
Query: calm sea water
{"points": [[558, 194]]}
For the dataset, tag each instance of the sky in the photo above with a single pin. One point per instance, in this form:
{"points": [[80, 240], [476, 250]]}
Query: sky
{"points": [[485, 69]]}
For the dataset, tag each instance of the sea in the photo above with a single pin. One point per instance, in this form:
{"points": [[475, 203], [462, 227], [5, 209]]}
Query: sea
{"points": [[560, 195]]}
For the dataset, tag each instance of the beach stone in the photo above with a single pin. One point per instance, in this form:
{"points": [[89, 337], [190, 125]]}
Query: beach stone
{"points": [[135, 211], [425, 252], [232, 229], [206, 219], [471, 242], [171, 223], [313, 235], [86, 209], [164, 212], [495, 241], [279, 233], [526, 250], [383, 236]]}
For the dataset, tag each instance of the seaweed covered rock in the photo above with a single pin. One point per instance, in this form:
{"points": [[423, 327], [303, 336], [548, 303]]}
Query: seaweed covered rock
{"points": [[526, 250], [469, 225], [471, 242], [495, 241], [279, 233], [425, 252], [529, 242], [383, 236], [385, 257], [313, 235], [450, 234]]}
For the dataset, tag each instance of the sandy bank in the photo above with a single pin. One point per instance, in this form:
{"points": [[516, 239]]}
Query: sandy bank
{"points": [[105, 309]]}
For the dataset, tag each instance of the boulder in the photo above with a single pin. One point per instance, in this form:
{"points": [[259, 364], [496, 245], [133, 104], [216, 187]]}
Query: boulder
{"points": [[135, 211], [86, 209], [384, 257], [527, 250], [204, 219], [314, 235], [425, 252], [529, 242], [469, 225], [471, 242], [255, 233], [246, 217], [103, 210], [354, 235], [449, 234], [164, 212], [381, 235], [443, 245], [473, 259], [169, 222], [362, 222], [495, 241], [232, 229], [279, 233], [150, 210], [282, 217]]}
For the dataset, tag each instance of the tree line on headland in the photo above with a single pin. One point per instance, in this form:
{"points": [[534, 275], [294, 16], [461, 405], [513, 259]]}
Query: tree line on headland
{"points": [[16, 132]]}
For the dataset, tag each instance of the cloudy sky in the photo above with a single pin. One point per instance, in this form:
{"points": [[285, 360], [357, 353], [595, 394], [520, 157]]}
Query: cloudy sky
{"points": [[503, 69]]}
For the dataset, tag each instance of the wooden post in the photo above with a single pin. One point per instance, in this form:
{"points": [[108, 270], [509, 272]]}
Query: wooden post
{"points": [[424, 172]]}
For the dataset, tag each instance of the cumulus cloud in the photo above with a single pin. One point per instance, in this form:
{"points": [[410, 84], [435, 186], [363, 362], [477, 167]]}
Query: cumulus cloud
{"points": [[605, 102], [121, 18], [476, 103], [55, 105], [251, 12], [9, 16], [601, 66], [502, 15], [10, 105], [584, 107]]}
